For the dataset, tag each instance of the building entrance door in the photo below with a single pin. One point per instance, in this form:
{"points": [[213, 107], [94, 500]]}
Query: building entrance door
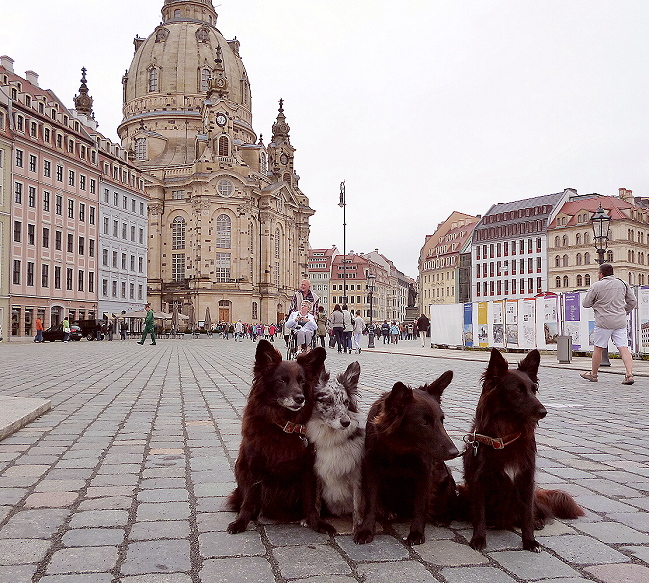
{"points": [[224, 314]]}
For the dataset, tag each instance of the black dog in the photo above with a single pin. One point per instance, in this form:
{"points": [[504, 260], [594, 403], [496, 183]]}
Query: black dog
{"points": [[404, 473], [274, 470], [500, 460]]}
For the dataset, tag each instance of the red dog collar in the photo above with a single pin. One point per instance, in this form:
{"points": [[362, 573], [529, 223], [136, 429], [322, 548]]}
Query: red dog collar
{"points": [[290, 427], [496, 442]]}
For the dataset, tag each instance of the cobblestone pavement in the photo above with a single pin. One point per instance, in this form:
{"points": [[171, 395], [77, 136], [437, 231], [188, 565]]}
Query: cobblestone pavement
{"points": [[125, 478]]}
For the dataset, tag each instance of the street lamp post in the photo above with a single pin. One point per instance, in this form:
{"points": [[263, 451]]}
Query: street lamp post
{"points": [[601, 223], [371, 278], [343, 205]]}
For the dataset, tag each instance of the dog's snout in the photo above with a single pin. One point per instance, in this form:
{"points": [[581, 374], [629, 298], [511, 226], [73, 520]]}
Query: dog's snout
{"points": [[299, 399], [452, 453], [345, 422], [542, 412]]}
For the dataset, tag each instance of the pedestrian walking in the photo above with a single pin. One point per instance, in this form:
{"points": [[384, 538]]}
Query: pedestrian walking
{"points": [[321, 321], [611, 299], [338, 325], [348, 329], [66, 329], [359, 326], [238, 331], [385, 332], [149, 325], [394, 333], [123, 330], [39, 330]]}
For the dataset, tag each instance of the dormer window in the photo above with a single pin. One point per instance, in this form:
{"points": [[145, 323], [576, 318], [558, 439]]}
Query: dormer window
{"points": [[140, 148], [177, 13], [224, 146]]}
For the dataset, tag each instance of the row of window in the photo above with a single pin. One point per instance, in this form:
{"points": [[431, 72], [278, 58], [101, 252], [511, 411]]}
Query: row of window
{"points": [[124, 201], [125, 230], [512, 230], [58, 203], [581, 281], [222, 266], [105, 256], [517, 214], [30, 239], [350, 300], [499, 249], [29, 275], [498, 268], [502, 287], [122, 288], [562, 261], [223, 233]]}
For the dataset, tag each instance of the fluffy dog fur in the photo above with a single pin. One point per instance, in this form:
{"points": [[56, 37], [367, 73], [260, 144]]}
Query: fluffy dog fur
{"points": [[499, 483], [404, 473], [274, 470], [336, 430]]}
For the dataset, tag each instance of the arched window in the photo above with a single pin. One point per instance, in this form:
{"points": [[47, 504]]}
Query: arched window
{"points": [[578, 239], [224, 146], [557, 241], [578, 259], [586, 259], [565, 261], [565, 240], [223, 231], [630, 278], [587, 279], [557, 261], [586, 238], [205, 79], [153, 79], [178, 233], [566, 282], [254, 311], [557, 281], [580, 281], [609, 256]]}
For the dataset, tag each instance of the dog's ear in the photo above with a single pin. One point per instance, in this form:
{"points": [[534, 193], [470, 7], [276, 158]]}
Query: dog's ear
{"points": [[324, 377], [497, 366], [436, 388], [313, 361], [349, 378], [530, 364], [399, 397], [266, 357]]}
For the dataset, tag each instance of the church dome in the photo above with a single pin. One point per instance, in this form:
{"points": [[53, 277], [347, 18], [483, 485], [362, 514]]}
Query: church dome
{"points": [[172, 71]]}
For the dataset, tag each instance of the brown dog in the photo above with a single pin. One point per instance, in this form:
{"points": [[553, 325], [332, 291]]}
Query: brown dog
{"points": [[404, 473], [274, 470], [500, 460]]}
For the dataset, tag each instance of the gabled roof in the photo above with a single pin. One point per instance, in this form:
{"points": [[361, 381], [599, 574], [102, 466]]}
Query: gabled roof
{"points": [[546, 199], [612, 204]]}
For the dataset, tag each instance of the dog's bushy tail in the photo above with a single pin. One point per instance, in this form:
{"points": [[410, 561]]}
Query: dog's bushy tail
{"points": [[561, 504], [234, 501]]}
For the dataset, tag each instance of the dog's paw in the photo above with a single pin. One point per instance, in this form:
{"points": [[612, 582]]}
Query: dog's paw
{"points": [[363, 536], [415, 538], [324, 527], [478, 543], [237, 526], [532, 545]]}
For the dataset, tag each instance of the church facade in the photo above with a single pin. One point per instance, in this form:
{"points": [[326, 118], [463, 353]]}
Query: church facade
{"points": [[228, 223]]}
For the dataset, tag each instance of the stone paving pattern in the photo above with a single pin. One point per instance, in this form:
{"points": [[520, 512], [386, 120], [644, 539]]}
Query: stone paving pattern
{"points": [[125, 478]]}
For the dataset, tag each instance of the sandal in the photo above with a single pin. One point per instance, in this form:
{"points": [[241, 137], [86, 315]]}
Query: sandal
{"points": [[628, 379], [589, 376]]}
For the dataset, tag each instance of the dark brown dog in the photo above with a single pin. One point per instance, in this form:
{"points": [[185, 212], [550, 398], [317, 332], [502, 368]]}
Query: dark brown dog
{"points": [[500, 460], [404, 473], [274, 470]]}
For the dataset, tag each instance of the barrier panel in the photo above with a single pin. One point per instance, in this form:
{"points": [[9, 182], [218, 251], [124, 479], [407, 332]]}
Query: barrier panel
{"points": [[528, 323]]}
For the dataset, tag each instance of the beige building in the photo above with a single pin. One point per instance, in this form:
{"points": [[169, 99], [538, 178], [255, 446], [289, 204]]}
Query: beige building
{"points": [[5, 213], [572, 260], [228, 223], [439, 260]]}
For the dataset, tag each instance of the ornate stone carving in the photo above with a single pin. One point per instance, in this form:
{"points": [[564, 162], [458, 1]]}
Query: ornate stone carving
{"points": [[203, 35], [161, 34], [156, 209]]}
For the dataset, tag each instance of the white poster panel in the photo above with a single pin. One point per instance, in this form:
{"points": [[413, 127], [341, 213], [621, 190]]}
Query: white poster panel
{"points": [[526, 324], [547, 318], [511, 323], [446, 324], [643, 317], [496, 329]]}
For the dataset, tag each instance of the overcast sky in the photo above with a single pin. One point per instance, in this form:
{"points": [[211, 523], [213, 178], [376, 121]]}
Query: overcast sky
{"points": [[423, 107]]}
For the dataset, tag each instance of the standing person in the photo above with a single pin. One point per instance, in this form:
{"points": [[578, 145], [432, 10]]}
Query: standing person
{"points": [[271, 332], [66, 329], [110, 324], [238, 331], [321, 321], [304, 293], [423, 323], [338, 325], [287, 332], [385, 332], [39, 330], [394, 333], [149, 325], [348, 329], [123, 329], [359, 326], [611, 299]]}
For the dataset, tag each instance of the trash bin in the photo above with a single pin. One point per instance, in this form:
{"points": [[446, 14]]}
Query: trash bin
{"points": [[564, 349]]}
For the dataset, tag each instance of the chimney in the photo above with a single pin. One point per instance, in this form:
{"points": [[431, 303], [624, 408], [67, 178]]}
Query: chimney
{"points": [[7, 63], [32, 77], [625, 195]]}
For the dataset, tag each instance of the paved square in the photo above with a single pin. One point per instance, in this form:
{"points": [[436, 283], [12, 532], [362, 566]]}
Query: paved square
{"points": [[124, 479]]}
